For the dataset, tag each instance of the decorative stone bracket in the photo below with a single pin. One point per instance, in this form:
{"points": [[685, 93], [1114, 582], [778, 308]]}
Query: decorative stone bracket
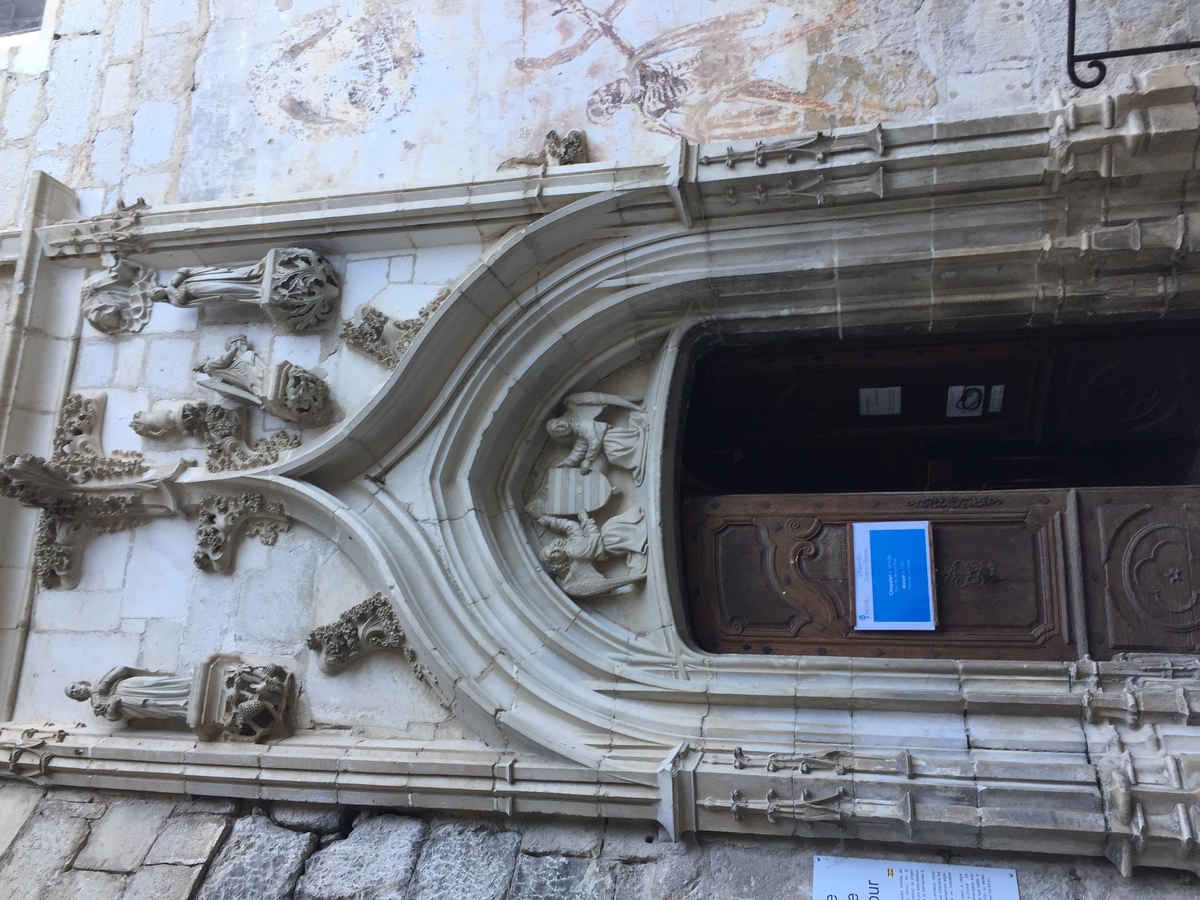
{"points": [[223, 518], [383, 338], [366, 628]]}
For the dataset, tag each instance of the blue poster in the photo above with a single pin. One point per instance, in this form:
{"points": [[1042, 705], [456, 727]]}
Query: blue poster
{"points": [[893, 583]]}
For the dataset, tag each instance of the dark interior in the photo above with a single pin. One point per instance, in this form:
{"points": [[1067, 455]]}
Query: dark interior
{"points": [[1053, 408]]}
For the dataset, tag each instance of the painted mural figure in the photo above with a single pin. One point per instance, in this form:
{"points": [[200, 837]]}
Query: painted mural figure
{"points": [[570, 558], [579, 426], [125, 693], [697, 81]]}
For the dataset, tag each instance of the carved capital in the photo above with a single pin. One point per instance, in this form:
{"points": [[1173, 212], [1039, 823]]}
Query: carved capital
{"points": [[224, 518]]}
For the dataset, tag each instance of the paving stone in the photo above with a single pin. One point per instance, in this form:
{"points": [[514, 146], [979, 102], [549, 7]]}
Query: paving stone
{"points": [[43, 849], [188, 840], [260, 860], [163, 883], [562, 838], [465, 861], [17, 803], [85, 886], [563, 878], [121, 838], [377, 860], [308, 817]]}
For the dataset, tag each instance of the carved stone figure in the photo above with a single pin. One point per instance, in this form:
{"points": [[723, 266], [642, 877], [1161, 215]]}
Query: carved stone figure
{"points": [[571, 558], [226, 697], [118, 300], [283, 390], [295, 287], [223, 429], [556, 151], [124, 693], [623, 446]]}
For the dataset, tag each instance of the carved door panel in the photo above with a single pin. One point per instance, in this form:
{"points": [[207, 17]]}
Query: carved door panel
{"points": [[771, 574], [1142, 569]]}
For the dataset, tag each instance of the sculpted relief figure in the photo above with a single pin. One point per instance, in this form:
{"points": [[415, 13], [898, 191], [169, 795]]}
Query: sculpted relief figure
{"points": [[124, 693], [580, 428], [572, 558], [296, 287], [283, 390]]}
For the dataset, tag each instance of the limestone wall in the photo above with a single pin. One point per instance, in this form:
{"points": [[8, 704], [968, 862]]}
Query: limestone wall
{"points": [[66, 843], [184, 100]]}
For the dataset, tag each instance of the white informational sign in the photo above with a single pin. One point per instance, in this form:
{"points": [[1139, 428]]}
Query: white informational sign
{"points": [[883, 401], [893, 576], [996, 398], [835, 878], [964, 400]]}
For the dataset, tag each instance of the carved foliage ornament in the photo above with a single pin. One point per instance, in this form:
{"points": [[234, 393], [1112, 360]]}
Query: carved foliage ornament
{"points": [[223, 429], [284, 390], [223, 518], [383, 338], [366, 628]]}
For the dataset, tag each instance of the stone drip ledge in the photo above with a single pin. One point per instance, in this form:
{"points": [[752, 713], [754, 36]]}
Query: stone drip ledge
{"points": [[71, 843], [426, 775]]}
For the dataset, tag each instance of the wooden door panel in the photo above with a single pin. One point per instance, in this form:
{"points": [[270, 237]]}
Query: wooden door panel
{"points": [[772, 574], [1142, 567]]}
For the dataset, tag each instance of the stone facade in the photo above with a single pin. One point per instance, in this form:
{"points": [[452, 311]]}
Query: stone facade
{"points": [[462, 455]]}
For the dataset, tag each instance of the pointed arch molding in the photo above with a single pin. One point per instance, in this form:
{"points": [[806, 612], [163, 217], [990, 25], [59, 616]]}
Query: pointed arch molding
{"points": [[1072, 213]]}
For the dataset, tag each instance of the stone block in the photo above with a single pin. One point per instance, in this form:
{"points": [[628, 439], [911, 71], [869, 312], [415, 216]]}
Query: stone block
{"points": [[188, 840], [551, 838], [259, 860], [218, 806], [43, 849], [465, 861], [153, 133], [563, 878], [631, 842], [163, 883], [87, 885], [376, 860], [121, 838], [308, 817], [17, 803]]}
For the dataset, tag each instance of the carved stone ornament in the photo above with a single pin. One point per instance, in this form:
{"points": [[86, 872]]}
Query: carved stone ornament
{"points": [[223, 429], [296, 287], [556, 151], [370, 626], [226, 697], [80, 489], [223, 518], [581, 428], [283, 390], [114, 232], [383, 338], [118, 300]]}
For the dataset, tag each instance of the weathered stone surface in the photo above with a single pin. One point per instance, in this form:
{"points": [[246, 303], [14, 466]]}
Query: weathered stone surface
{"points": [[563, 878], [308, 817], [260, 860], [121, 838], [635, 881], [754, 869], [17, 803], [86, 886], [188, 841], [217, 806], [465, 861], [376, 860], [44, 848], [163, 883], [637, 843], [553, 838]]}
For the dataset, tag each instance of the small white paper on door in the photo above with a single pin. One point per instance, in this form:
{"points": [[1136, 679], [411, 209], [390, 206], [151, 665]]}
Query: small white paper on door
{"points": [[879, 401], [837, 878], [964, 400]]}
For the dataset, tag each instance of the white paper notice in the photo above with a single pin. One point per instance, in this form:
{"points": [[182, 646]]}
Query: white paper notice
{"points": [[883, 401], [835, 878], [964, 400]]}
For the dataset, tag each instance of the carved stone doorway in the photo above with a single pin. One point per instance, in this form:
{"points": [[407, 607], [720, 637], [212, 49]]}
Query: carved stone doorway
{"points": [[1057, 467]]}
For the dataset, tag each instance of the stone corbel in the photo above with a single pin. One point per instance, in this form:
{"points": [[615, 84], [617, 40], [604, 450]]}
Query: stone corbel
{"points": [[224, 518], [366, 628]]}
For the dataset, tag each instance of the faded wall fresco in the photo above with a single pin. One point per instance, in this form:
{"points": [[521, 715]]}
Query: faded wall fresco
{"points": [[184, 100]]}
